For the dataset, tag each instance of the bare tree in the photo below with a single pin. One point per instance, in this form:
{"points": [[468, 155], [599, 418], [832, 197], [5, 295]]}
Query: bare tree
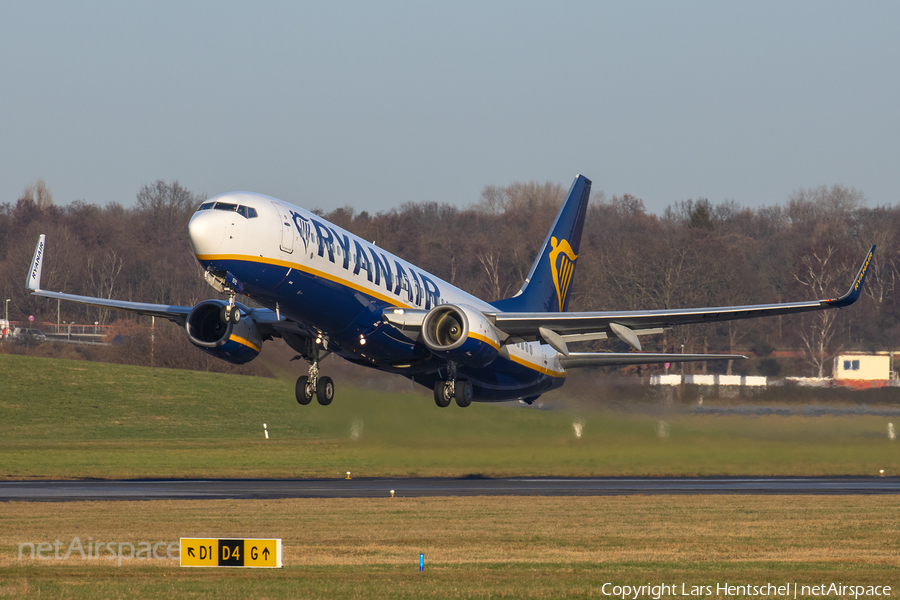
{"points": [[878, 227], [38, 193], [489, 259], [819, 271], [168, 208], [104, 277]]}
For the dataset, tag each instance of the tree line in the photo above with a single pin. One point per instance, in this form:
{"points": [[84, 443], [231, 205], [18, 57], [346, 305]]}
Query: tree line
{"points": [[696, 253]]}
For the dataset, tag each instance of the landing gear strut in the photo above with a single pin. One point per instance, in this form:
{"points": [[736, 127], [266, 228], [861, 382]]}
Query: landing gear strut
{"points": [[312, 385], [230, 313]]}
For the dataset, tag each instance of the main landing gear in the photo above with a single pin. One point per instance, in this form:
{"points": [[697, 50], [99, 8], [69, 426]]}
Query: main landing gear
{"points": [[459, 389], [312, 385], [446, 391]]}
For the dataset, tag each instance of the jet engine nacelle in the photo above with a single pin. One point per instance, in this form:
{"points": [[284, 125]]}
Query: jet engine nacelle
{"points": [[236, 343], [460, 334]]}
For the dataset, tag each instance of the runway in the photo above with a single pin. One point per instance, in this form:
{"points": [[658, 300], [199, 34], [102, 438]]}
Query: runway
{"points": [[206, 489]]}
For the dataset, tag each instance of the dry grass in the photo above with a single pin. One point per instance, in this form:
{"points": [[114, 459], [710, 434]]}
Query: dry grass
{"points": [[484, 546]]}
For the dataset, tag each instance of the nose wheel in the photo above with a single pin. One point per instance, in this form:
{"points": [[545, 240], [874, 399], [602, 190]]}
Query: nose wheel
{"points": [[230, 313]]}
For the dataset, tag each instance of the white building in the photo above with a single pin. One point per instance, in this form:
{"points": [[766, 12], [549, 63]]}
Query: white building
{"points": [[862, 366]]}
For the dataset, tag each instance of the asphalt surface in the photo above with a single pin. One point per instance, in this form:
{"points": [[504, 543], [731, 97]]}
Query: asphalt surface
{"points": [[198, 489]]}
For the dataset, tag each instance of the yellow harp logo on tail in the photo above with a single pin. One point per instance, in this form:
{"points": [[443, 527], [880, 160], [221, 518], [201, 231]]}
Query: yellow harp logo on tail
{"points": [[562, 268]]}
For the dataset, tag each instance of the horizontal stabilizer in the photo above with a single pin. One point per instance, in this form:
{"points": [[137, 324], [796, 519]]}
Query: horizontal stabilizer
{"points": [[609, 359]]}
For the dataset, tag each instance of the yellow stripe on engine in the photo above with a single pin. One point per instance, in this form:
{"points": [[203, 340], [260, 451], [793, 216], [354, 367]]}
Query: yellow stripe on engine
{"points": [[243, 342], [486, 340]]}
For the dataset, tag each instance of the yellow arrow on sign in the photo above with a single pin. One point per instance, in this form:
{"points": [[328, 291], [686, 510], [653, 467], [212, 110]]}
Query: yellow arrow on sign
{"points": [[262, 553], [234, 552], [199, 552]]}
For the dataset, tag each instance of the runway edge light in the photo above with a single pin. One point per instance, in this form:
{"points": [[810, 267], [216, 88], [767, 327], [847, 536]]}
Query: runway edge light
{"points": [[235, 552]]}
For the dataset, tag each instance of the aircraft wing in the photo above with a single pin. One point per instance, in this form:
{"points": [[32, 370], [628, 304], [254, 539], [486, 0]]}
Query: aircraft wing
{"points": [[269, 322], [559, 328], [171, 312]]}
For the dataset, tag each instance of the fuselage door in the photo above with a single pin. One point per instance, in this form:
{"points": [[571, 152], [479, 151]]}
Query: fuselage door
{"points": [[287, 228]]}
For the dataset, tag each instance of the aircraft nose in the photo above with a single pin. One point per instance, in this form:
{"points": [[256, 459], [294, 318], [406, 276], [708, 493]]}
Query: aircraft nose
{"points": [[207, 231]]}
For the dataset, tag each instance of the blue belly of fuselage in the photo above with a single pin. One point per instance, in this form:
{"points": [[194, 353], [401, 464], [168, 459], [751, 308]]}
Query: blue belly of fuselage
{"points": [[348, 316]]}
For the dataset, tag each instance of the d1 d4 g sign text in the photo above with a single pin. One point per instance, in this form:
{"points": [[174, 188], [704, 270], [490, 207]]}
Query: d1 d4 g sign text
{"points": [[205, 552]]}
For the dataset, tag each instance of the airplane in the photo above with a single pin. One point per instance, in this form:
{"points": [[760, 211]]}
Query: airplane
{"points": [[326, 291]]}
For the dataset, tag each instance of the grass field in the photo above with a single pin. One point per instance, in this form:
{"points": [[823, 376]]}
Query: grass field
{"points": [[75, 419], [474, 547]]}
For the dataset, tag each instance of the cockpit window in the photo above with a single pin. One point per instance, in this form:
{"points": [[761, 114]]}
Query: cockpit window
{"points": [[247, 212]]}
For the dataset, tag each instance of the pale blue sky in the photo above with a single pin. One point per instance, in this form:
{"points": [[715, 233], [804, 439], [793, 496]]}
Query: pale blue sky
{"points": [[373, 104]]}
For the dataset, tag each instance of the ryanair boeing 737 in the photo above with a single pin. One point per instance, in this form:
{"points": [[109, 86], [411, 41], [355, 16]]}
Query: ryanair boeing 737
{"points": [[327, 291]]}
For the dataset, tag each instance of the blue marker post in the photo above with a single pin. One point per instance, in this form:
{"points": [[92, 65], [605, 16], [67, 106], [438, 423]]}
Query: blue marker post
{"points": [[421, 562]]}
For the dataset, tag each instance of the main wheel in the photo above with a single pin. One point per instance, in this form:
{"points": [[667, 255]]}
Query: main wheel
{"points": [[442, 395], [463, 393], [303, 390], [325, 391]]}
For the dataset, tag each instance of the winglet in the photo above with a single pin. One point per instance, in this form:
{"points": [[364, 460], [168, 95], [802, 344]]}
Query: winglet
{"points": [[855, 290], [34, 274]]}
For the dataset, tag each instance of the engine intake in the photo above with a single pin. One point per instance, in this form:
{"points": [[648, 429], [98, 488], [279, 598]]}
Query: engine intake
{"points": [[237, 343], [460, 334]]}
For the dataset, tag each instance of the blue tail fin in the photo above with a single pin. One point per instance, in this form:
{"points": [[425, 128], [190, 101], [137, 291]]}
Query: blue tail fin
{"points": [[545, 289]]}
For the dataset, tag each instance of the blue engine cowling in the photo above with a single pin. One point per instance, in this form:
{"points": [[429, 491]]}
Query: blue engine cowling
{"points": [[460, 334], [236, 343]]}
